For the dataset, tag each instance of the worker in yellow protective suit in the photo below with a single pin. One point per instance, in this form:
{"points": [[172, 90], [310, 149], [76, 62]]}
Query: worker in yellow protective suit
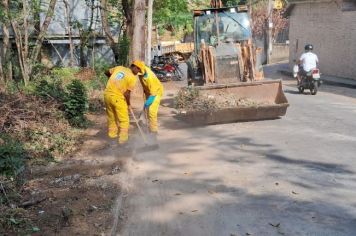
{"points": [[121, 82], [153, 90]]}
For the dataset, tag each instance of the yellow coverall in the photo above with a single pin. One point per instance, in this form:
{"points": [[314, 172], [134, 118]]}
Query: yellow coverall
{"points": [[152, 87], [121, 80]]}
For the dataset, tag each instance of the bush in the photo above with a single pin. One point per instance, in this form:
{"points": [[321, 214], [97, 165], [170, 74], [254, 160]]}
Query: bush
{"points": [[76, 103], [50, 89], [65, 74], [12, 156]]}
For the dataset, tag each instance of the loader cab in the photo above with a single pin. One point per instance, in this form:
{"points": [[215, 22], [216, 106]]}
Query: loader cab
{"points": [[220, 28], [216, 26]]}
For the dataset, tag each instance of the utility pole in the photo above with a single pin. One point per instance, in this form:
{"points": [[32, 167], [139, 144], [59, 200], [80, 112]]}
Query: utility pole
{"points": [[269, 30], [149, 32]]}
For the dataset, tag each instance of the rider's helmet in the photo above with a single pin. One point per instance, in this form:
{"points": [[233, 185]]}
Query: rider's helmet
{"points": [[308, 47]]}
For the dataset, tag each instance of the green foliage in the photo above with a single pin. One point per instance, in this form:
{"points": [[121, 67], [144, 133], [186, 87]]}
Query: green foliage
{"points": [[76, 103], [48, 89], [12, 156], [124, 49], [172, 14], [16, 222], [230, 3], [65, 74], [46, 146]]}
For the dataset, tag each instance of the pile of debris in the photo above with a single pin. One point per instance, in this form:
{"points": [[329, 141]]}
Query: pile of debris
{"points": [[38, 124], [230, 100], [192, 99], [189, 99]]}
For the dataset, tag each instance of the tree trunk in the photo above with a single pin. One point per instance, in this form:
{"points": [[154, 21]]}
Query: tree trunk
{"points": [[106, 27], [82, 54], [137, 51], [149, 33], [69, 23], [128, 13], [20, 53], [50, 11], [2, 79], [6, 43], [25, 27]]}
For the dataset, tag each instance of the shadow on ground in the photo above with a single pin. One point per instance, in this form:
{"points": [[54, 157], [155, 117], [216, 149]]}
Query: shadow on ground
{"points": [[211, 200]]}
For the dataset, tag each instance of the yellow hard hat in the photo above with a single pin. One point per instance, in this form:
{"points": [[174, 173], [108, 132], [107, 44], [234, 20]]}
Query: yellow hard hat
{"points": [[141, 65]]}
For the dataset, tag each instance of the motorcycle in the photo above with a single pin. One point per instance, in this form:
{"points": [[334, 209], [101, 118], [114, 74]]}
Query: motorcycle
{"points": [[166, 68], [162, 74], [309, 81]]}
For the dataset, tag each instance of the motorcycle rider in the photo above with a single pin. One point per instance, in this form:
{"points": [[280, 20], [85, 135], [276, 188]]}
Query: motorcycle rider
{"points": [[307, 62]]}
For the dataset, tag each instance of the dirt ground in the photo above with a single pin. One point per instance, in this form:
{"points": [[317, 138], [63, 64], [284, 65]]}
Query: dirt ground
{"points": [[250, 178], [76, 196], [82, 194]]}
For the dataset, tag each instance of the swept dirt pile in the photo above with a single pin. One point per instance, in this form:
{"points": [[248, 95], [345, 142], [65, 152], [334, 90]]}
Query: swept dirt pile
{"points": [[191, 99]]}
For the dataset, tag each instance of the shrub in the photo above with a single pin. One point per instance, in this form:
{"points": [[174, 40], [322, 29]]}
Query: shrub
{"points": [[50, 89], [65, 74], [76, 103], [12, 156]]}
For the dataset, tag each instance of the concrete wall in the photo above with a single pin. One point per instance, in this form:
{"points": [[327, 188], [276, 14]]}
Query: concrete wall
{"points": [[331, 31], [280, 53]]}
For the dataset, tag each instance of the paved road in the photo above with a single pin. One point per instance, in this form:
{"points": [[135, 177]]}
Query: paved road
{"points": [[291, 176]]}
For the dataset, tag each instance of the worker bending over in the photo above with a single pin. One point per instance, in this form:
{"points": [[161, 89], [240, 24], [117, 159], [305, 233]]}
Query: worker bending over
{"points": [[153, 90], [121, 82]]}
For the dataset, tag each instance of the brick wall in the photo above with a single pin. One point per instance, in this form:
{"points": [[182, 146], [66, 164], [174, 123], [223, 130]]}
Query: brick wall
{"points": [[331, 31]]}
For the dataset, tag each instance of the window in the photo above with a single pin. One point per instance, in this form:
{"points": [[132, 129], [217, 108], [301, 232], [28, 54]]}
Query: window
{"points": [[348, 5]]}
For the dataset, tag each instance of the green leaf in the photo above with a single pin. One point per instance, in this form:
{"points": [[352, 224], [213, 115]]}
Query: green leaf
{"points": [[35, 229], [14, 221]]}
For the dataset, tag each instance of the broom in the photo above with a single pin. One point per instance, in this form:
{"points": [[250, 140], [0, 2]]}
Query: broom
{"points": [[147, 147]]}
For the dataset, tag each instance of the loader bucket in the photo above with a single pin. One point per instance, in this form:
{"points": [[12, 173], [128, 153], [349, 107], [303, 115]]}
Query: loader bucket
{"points": [[271, 103]]}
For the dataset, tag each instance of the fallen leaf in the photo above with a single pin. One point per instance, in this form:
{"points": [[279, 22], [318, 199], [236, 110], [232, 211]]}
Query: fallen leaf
{"points": [[14, 221], [211, 191], [275, 225]]}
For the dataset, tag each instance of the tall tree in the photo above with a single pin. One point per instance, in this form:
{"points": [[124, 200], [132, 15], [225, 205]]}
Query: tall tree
{"points": [[21, 27], [69, 28], [138, 31], [6, 49], [106, 27], [127, 8], [86, 33], [38, 45], [149, 32]]}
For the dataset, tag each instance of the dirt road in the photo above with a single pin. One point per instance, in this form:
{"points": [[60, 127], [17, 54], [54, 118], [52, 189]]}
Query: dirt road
{"points": [[292, 176]]}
